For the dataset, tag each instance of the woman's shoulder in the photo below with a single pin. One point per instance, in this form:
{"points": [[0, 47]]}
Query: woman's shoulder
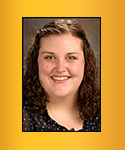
{"points": [[94, 125], [27, 118], [33, 121]]}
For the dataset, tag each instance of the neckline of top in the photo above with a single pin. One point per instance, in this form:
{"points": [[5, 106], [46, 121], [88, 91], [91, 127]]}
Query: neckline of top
{"points": [[56, 123]]}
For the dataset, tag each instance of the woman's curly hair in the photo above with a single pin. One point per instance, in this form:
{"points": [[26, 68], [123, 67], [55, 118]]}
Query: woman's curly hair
{"points": [[89, 91]]}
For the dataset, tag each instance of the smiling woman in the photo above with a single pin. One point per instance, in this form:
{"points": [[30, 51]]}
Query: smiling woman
{"points": [[60, 90]]}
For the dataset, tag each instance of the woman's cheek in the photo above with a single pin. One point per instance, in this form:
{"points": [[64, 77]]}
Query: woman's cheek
{"points": [[77, 68], [45, 68]]}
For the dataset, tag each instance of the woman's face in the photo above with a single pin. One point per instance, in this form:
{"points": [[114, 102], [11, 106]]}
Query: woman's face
{"points": [[61, 65]]}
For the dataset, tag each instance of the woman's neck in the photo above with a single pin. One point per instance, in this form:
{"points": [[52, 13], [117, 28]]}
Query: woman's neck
{"points": [[63, 104], [65, 112]]}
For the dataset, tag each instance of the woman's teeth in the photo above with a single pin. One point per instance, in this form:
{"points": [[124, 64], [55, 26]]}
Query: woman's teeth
{"points": [[60, 78]]}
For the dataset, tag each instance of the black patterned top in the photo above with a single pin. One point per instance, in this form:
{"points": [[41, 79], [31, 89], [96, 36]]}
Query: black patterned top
{"points": [[44, 123]]}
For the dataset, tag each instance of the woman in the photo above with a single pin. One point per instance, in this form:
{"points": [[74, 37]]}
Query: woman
{"points": [[60, 90]]}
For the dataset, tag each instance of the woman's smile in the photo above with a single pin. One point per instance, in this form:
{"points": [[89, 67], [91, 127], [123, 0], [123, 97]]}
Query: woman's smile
{"points": [[60, 79]]}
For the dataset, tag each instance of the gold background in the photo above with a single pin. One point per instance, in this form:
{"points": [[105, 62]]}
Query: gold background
{"points": [[112, 75]]}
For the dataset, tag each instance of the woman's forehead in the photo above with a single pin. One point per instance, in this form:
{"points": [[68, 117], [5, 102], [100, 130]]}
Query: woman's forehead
{"points": [[61, 40]]}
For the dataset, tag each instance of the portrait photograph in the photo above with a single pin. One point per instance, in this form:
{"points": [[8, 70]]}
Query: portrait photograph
{"points": [[61, 75]]}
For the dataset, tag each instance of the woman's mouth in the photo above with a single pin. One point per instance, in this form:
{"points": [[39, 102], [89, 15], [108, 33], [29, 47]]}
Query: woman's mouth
{"points": [[60, 79]]}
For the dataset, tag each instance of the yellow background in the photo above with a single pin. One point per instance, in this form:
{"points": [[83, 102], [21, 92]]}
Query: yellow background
{"points": [[112, 75]]}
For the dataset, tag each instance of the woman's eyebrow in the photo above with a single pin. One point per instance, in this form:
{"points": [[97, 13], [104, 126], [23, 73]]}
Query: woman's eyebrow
{"points": [[46, 52], [72, 53]]}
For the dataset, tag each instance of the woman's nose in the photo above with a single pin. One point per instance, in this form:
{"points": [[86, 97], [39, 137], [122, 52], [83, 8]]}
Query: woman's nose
{"points": [[60, 66]]}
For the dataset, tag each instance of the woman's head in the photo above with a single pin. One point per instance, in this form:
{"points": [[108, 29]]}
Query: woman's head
{"points": [[88, 90], [61, 65]]}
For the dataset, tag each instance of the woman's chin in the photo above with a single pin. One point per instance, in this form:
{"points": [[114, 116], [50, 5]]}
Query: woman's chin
{"points": [[60, 94]]}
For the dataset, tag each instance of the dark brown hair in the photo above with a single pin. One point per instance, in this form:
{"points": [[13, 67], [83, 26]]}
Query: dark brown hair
{"points": [[89, 92]]}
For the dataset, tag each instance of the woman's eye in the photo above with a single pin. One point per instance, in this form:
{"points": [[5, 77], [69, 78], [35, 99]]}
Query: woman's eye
{"points": [[71, 58], [49, 57]]}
